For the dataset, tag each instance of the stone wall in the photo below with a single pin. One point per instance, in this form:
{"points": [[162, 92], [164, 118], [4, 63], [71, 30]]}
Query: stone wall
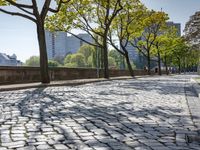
{"points": [[10, 75]]}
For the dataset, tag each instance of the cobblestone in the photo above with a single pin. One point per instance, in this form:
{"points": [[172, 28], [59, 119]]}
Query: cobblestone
{"points": [[147, 113]]}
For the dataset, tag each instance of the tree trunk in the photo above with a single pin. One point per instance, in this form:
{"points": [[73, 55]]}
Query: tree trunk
{"points": [[179, 66], [129, 64], [102, 58], [166, 67], [159, 64], [105, 56], [43, 54], [149, 62]]}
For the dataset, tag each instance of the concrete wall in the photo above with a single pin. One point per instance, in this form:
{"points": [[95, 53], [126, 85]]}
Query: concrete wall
{"points": [[10, 75]]}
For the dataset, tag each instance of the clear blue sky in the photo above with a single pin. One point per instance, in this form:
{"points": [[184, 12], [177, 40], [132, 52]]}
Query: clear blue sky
{"points": [[18, 35]]}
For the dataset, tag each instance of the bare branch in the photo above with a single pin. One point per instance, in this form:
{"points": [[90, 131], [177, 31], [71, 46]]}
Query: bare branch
{"points": [[19, 5], [96, 45], [35, 10], [116, 11], [18, 14], [26, 11], [45, 9]]}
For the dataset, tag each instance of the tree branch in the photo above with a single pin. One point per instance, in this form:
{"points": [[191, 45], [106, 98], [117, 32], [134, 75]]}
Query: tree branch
{"points": [[19, 5], [96, 45], [35, 10], [18, 14], [59, 6], [45, 9]]}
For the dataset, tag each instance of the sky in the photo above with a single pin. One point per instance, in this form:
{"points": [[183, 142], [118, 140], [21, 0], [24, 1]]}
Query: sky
{"points": [[18, 35]]}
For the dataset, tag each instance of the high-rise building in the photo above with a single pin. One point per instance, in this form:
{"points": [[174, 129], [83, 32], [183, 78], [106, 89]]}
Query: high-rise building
{"points": [[176, 25], [59, 44]]}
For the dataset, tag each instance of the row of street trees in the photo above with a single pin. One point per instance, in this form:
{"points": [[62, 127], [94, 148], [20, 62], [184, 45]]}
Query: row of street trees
{"points": [[130, 22], [127, 21]]}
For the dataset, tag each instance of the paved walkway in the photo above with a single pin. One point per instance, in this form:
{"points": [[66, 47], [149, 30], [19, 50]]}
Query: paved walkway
{"points": [[75, 82], [143, 114]]}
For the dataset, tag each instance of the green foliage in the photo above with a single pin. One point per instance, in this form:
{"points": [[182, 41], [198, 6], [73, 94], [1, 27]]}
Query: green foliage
{"points": [[90, 62], [85, 57], [67, 59], [111, 62], [71, 65], [92, 16], [87, 51], [59, 59], [117, 57], [53, 63], [75, 60], [33, 61], [4, 3], [79, 59]]}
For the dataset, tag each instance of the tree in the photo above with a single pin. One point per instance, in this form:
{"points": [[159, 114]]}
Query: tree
{"points": [[33, 61], [87, 51], [124, 26], [162, 46], [111, 62], [151, 24], [117, 57], [192, 59], [75, 60], [31, 12], [92, 16], [53, 63], [179, 52], [59, 59], [67, 59]]}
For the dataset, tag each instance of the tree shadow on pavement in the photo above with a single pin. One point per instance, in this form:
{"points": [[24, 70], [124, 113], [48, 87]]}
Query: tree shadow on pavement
{"points": [[107, 115], [78, 121]]}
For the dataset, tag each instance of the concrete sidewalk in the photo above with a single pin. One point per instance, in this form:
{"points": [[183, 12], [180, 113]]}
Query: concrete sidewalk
{"points": [[60, 83]]}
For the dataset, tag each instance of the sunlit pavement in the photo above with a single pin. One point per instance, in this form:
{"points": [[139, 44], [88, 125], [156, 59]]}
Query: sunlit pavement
{"points": [[147, 113]]}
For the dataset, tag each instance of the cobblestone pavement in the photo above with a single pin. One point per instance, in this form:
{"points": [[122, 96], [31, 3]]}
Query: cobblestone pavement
{"points": [[147, 113]]}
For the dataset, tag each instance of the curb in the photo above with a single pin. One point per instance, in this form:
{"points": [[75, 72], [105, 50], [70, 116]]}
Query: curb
{"points": [[195, 86], [193, 100], [58, 83], [76, 82]]}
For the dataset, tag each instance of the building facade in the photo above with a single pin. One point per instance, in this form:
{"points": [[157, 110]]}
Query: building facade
{"points": [[176, 25], [59, 44], [7, 60]]}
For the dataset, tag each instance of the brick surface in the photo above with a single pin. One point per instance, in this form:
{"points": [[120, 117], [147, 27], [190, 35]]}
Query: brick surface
{"points": [[146, 113]]}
